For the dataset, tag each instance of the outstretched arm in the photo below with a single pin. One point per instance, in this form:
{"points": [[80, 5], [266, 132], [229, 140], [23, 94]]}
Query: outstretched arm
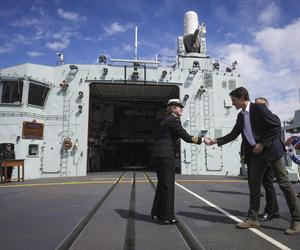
{"points": [[180, 132], [235, 132]]}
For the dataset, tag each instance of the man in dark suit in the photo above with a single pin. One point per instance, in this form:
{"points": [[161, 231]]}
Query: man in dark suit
{"points": [[169, 131], [271, 209], [8, 154], [261, 135]]}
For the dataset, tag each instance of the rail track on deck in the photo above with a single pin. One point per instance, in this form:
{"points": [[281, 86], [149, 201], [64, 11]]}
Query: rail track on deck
{"points": [[187, 236]]}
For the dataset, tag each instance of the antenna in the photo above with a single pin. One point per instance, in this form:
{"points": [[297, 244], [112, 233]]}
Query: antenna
{"points": [[60, 60], [135, 43]]}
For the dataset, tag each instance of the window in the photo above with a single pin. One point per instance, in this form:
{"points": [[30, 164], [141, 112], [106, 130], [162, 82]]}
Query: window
{"points": [[11, 91], [37, 94], [218, 133], [208, 79], [224, 84], [231, 84], [33, 150]]}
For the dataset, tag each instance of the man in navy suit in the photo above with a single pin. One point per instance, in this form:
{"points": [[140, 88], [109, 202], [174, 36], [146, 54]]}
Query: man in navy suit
{"points": [[261, 135], [271, 209]]}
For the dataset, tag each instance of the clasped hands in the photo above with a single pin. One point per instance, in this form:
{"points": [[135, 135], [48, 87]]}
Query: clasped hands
{"points": [[258, 148], [209, 141]]}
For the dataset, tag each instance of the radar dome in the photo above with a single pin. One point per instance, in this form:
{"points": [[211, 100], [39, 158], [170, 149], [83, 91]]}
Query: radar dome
{"points": [[190, 22]]}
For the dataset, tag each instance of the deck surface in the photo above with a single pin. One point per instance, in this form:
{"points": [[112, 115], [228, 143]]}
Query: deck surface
{"points": [[111, 210]]}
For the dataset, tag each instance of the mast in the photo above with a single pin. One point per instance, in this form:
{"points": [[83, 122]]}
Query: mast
{"points": [[135, 44]]}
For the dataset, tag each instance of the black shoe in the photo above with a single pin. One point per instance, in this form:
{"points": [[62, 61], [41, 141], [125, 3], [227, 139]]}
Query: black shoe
{"points": [[154, 217], [167, 222], [267, 216]]}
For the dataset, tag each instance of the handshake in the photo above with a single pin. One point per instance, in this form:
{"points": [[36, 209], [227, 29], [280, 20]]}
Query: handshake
{"points": [[209, 141]]}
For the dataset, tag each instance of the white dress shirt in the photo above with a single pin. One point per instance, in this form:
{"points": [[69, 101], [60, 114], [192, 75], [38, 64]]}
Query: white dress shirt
{"points": [[247, 126]]}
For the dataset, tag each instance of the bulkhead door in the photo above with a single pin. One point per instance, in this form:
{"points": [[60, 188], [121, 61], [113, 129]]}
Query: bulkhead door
{"points": [[50, 157]]}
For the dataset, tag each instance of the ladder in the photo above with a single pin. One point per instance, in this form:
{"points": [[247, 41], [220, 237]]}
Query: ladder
{"points": [[206, 115], [191, 76], [193, 131], [66, 119], [65, 134]]}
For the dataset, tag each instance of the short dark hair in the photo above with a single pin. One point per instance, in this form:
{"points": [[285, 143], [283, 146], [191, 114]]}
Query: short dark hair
{"points": [[265, 100], [240, 93]]}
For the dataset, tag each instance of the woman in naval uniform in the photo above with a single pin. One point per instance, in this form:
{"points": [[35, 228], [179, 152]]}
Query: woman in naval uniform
{"points": [[169, 131]]}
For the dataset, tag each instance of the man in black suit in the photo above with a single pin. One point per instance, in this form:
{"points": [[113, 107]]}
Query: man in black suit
{"points": [[271, 209], [169, 131], [8, 154], [261, 135]]}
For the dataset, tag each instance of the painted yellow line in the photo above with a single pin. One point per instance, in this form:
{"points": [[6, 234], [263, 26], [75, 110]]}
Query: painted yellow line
{"points": [[121, 178], [146, 177], [104, 178], [110, 182], [57, 184]]}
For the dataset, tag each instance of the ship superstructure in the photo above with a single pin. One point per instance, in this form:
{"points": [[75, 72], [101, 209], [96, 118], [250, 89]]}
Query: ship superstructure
{"points": [[69, 120]]}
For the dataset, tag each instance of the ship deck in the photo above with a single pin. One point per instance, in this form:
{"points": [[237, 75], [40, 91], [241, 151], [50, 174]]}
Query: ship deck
{"points": [[111, 210]]}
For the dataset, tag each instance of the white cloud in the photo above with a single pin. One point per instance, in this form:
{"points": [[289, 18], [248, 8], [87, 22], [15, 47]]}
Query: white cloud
{"points": [[127, 47], [61, 39], [34, 53], [37, 9], [69, 15], [222, 12], [270, 68], [20, 39], [165, 51], [281, 44], [269, 15], [250, 66], [115, 28], [58, 45], [24, 22], [6, 48]]}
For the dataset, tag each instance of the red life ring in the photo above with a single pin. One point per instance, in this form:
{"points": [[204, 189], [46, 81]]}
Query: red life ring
{"points": [[67, 144]]}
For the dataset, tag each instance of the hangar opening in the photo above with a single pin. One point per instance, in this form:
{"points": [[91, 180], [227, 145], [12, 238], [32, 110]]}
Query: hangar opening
{"points": [[122, 123]]}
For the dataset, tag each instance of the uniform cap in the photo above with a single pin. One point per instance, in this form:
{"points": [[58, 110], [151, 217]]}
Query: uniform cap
{"points": [[175, 102]]}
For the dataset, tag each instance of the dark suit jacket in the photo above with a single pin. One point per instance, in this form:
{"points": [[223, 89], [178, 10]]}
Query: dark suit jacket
{"points": [[169, 131], [266, 128], [7, 155]]}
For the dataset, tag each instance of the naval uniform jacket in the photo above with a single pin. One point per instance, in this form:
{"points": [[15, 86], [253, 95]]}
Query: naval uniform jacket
{"points": [[266, 129], [169, 131]]}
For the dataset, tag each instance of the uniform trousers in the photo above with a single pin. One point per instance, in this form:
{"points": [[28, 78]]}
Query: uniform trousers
{"points": [[258, 166], [163, 204]]}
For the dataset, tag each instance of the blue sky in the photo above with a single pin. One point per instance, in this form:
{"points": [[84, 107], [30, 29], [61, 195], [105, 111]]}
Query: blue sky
{"points": [[262, 35]]}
